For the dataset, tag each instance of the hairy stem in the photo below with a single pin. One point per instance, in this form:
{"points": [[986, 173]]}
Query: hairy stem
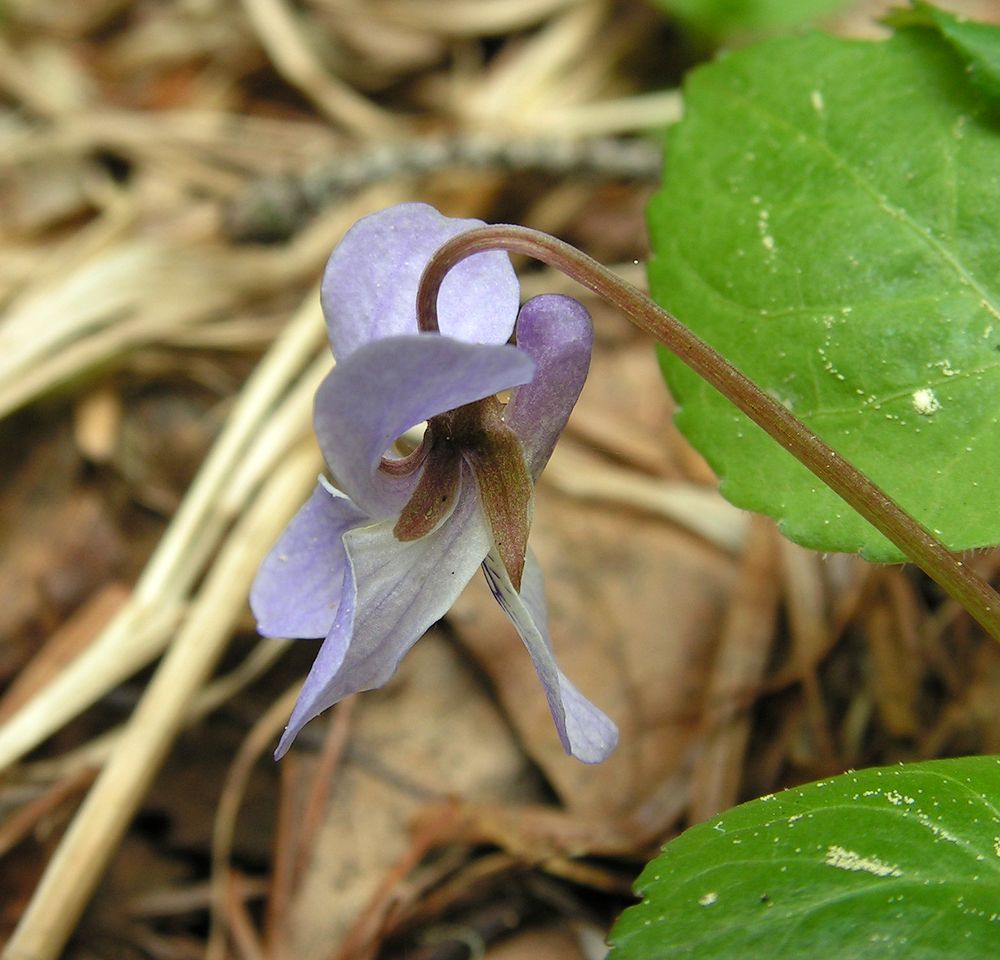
{"points": [[873, 503]]}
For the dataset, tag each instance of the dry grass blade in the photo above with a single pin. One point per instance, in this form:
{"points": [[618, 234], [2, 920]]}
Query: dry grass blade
{"points": [[255, 143], [474, 18], [63, 647], [14, 829], [609, 117], [898, 670], [134, 294], [743, 652], [285, 42], [141, 628], [514, 91], [95, 752], [805, 602], [110, 805], [261, 738], [698, 509]]}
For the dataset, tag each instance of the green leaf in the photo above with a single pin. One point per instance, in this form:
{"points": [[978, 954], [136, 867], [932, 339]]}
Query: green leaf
{"points": [[720, 19], [828, 221], [977, 43], [898, 862]]}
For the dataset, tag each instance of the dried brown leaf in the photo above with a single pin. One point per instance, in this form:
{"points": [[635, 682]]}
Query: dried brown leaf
{"points": [[58, 540], [741, 659], [553, 943], [433, 732], [634, 610]]}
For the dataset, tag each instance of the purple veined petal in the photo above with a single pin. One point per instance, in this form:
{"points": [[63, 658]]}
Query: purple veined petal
{"points": [[393, 593], [586, 733], [382, 389], [297, 588], [557, 333], [370, 285]]}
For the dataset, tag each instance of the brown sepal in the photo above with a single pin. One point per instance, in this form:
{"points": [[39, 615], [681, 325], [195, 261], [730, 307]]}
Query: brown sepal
{"points": [[435, 491], [476, 432], [505, 486]]}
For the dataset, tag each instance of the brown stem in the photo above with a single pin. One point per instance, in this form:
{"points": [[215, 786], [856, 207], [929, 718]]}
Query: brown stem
{"points": [[873, 503]]}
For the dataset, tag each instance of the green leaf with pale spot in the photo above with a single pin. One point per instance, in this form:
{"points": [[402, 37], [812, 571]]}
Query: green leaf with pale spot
{"points": [[829, 221], [895, 862]]}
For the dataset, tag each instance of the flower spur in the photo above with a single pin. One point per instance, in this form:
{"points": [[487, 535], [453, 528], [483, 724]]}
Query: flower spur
{"points": [[371, 563]]}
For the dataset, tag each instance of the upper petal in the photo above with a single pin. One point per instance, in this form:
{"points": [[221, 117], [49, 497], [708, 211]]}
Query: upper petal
{"points": [[370, 285], [382, 389], [557, 333], [393, 593], [586, 733], [298, 586]]}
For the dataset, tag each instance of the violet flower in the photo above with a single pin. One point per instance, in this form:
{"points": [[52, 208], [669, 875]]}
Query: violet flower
{"points": [[371, 563]]}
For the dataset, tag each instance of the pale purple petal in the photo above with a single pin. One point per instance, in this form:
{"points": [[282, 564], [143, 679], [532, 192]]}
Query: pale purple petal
{"points": [[384, 388], [297, 588], [370, 286], [586, 733], [402, 589], [556, 332]]}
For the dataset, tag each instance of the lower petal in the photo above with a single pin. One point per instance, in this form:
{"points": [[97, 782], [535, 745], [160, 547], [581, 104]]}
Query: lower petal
{"points": [[320, 690], [586, 733], [297, 589], [393, 592]]}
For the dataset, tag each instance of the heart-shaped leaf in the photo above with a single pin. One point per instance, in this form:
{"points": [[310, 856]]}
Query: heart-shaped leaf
{"points": [[895, 862], [828, 221]]}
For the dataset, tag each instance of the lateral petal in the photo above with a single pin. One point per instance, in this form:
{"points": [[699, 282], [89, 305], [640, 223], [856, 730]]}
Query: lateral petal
{"points": [[392, 594], [297, 588], [557, 333], [586, 733], [383, 388], [369, 289]]}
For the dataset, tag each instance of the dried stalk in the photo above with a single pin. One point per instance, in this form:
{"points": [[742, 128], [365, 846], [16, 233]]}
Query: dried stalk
{"points": [[140, 631], [97, 829]]}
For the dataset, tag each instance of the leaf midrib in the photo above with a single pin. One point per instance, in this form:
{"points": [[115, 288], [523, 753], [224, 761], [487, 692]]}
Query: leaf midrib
{"points": [[901, 215]]}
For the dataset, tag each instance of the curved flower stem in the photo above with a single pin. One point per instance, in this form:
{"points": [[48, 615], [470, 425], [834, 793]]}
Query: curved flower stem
{"points": [[873, 503]]}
